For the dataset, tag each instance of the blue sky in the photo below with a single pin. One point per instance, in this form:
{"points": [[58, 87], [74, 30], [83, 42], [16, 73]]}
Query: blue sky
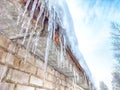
{"points": [[92, 20]]}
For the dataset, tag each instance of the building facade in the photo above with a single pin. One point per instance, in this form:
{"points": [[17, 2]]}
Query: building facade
{"points": [[27, 66]]}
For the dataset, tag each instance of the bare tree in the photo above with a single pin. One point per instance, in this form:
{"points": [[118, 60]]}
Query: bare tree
{"points": [[116, 40], [116, 80], [103, 86], [116, 48]]}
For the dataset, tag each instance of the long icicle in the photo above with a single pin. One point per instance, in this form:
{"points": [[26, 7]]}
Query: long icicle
{"points": [[40, 14], [25, 9], [47, 52], [36, 41], [49, 41], [29, 21], [31, 34]]}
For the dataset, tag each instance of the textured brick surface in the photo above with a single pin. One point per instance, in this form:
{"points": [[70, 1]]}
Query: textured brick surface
{"points": [[62, 88], [51, 77], [2, 56], [50, 70], [40, 89], [6, 86], [31, 59], [9, 59], [29, 73], [3, 70], [4, 42], [17, 76], [22, 87], [12, 47], [57, 74], [62, 77], [49, 85], [64, 83], [40, 73], [27, 67], [36, 81], [16, 62], [39, 63], [21, 73], [1, 53], [21, 52]]}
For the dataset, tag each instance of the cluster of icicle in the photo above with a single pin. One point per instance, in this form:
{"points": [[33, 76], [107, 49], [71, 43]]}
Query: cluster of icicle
{"points": [[50, 10]]}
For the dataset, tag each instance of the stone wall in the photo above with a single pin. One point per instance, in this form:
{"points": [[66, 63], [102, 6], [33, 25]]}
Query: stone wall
{"points": [[16, 74]]}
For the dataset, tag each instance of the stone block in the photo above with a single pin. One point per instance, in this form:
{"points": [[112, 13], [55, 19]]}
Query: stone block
{"points": [[1, 53], [22, 87], [62, 77], [49, 85], [39, 63], [12, 60], [3, 57], [50, 70], [31, 59], [50, 77], [6, 86], [64, 83], [40, 89], [21, 52], [27, 67], [4, 42], [12, 47], [36, 81], [17, 76], [3, 70], [16, 62], [57, 74], [9, 59], [62, 87], [40, 73]]}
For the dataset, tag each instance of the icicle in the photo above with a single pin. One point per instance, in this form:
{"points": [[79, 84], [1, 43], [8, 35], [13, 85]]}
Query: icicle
{"points": [[22, 27], [33, 9], [29, 41], [31, 17], [39, 2], [58, 58], [25, 9], [74, 74], [47, 51], [73, 84], [61, 51], [64, 45], [18, 18], [57, 84], [66, 63], [27, 47], [78, 79], [40, 13], [36, 41], [26, 32], [70, 68], [74, 79], [54, 20]]}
